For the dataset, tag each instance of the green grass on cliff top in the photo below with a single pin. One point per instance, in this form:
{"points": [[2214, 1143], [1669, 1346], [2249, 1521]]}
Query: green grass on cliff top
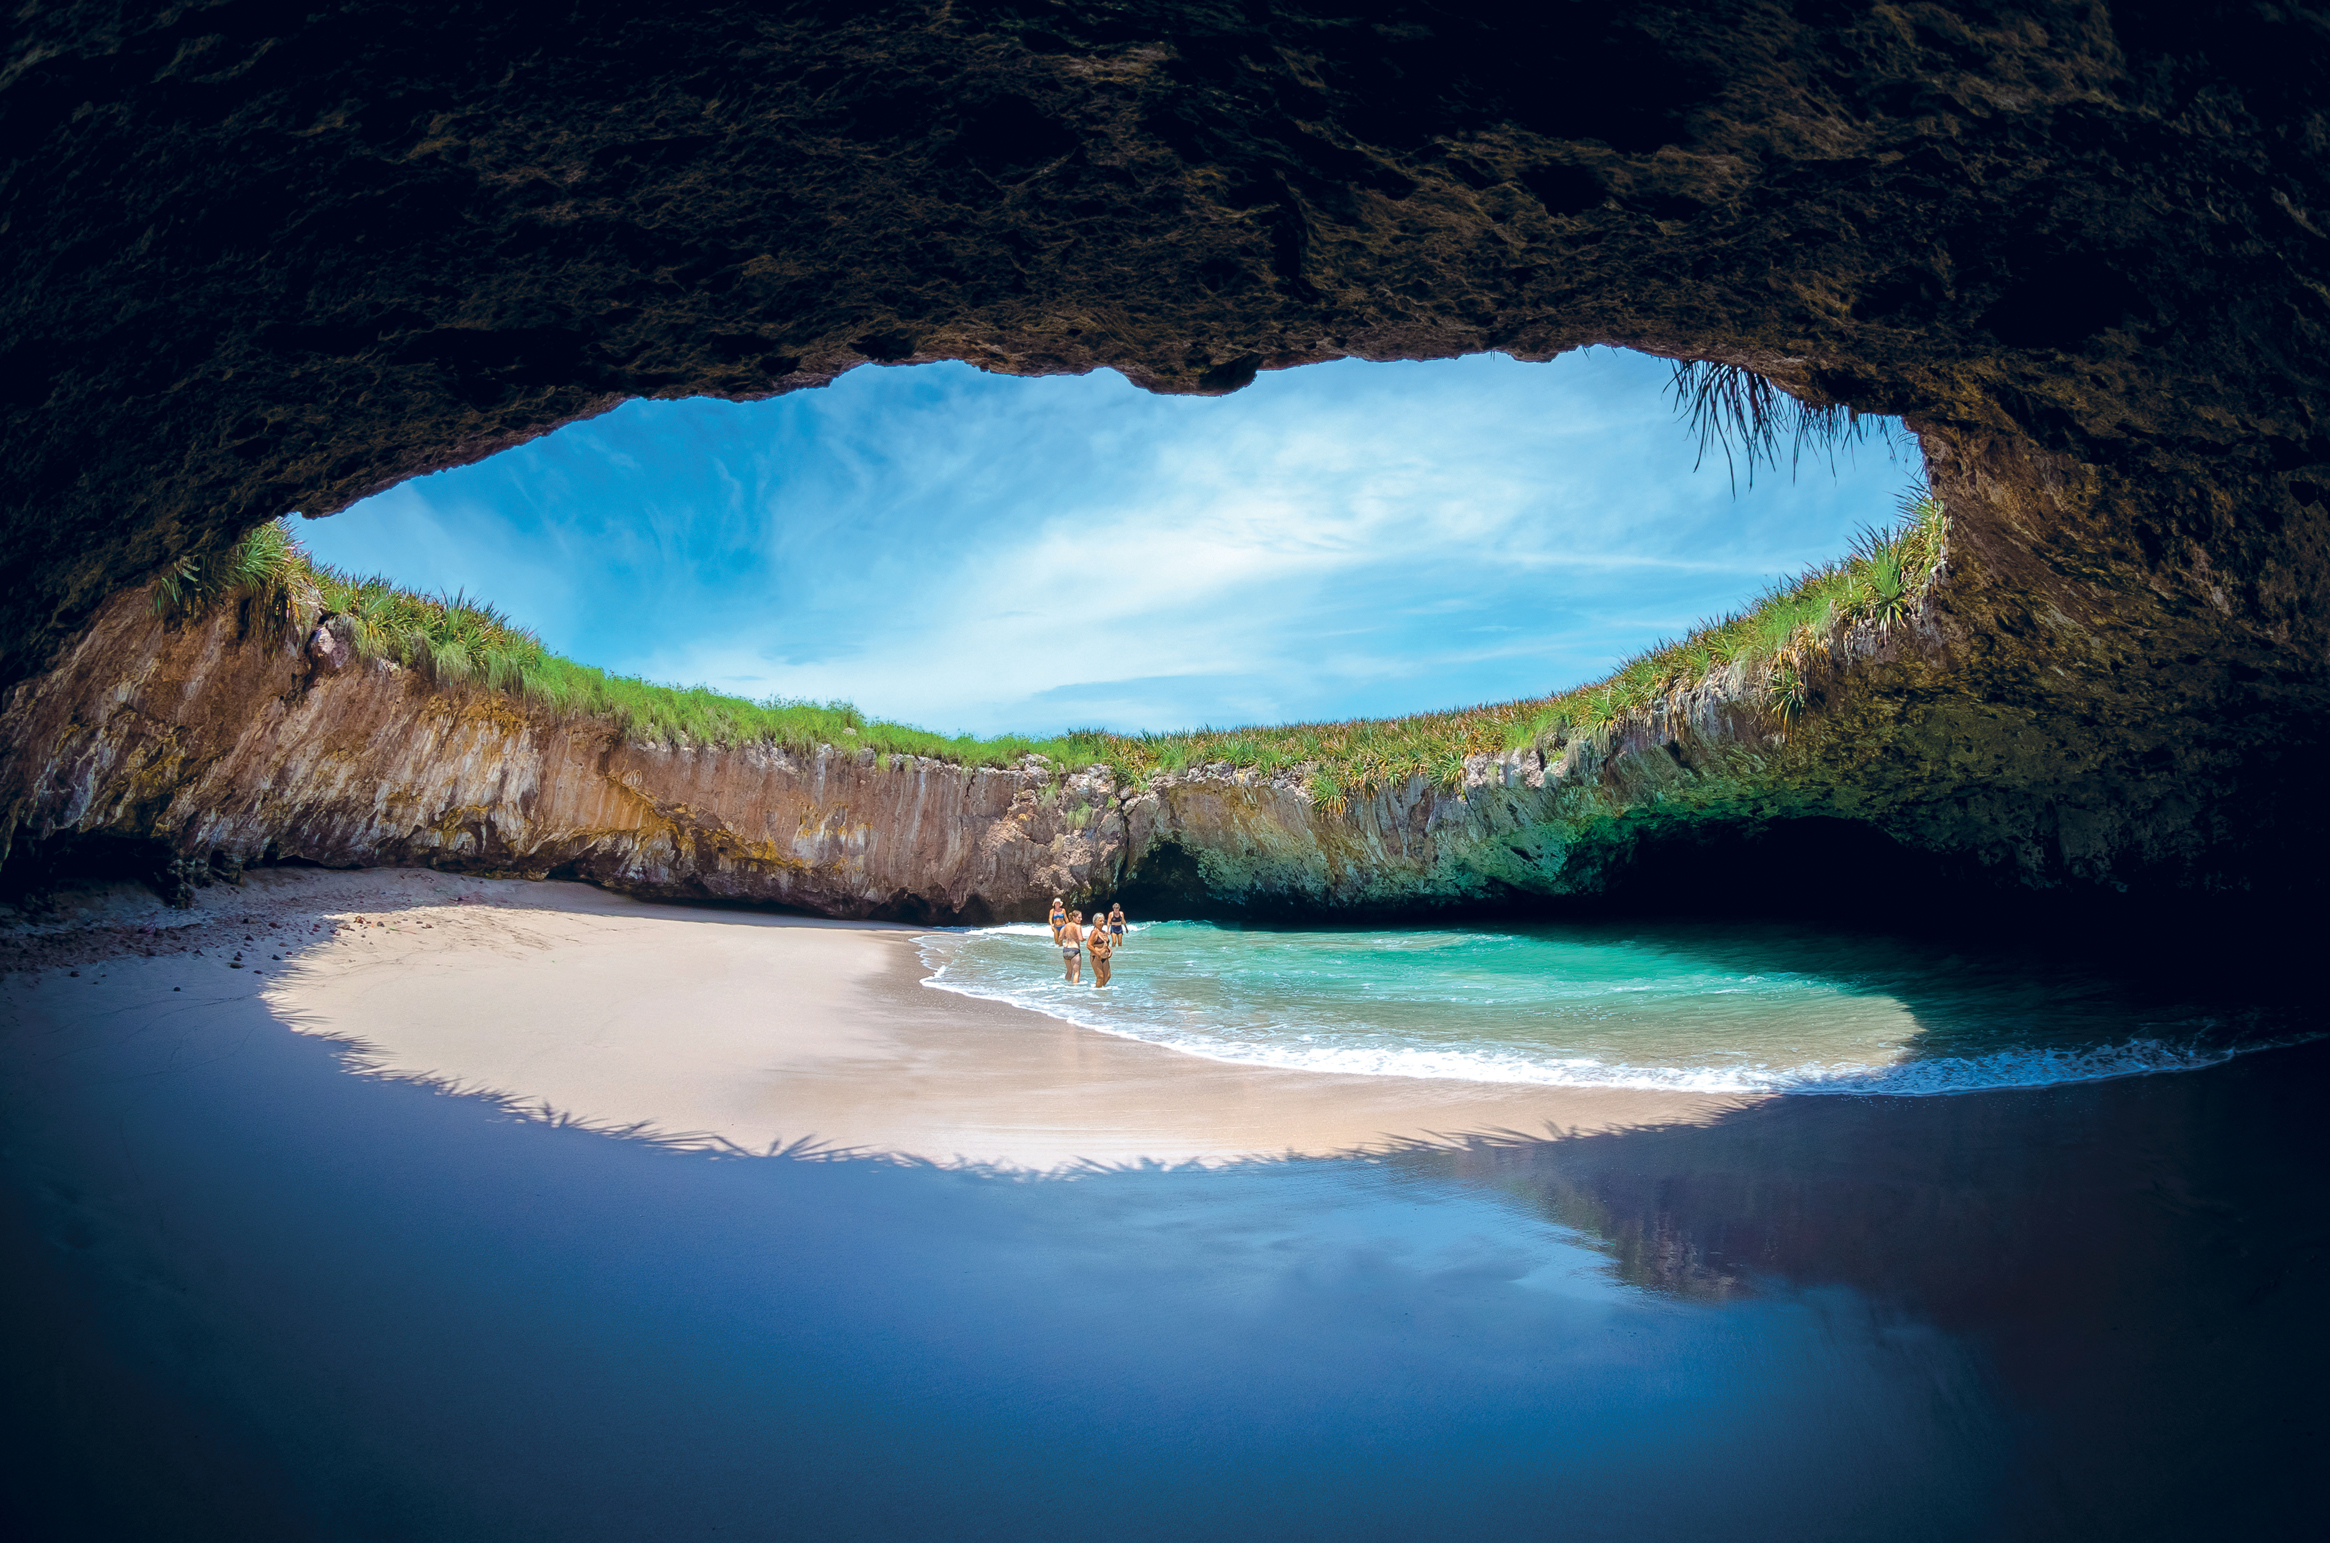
{"points": [[455, 640]]}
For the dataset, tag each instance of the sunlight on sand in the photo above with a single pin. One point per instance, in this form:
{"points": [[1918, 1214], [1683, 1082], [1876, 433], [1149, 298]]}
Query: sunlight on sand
{"points": [[754, 1033]]}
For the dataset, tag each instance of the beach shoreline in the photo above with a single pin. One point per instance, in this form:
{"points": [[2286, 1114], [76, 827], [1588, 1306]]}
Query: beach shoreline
{"points": [[754, 1032]]}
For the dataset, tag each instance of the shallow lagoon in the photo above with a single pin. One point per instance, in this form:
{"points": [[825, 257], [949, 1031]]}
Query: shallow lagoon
{"points": [[1699, 1007]]}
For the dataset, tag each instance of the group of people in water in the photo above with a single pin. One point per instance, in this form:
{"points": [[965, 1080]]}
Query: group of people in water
{"points": [[1103, 938]]}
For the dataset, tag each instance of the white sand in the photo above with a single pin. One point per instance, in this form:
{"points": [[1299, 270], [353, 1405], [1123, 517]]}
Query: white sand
{"points": [[758, 1032]]}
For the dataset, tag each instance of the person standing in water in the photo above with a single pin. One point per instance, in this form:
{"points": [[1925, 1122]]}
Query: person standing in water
{"points": [[1071, 936], [1059, 917], [1116, 927], [1103, 948]]}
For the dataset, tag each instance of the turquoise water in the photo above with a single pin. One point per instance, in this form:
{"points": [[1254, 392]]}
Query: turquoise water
{"points": [[1717, 1008]]}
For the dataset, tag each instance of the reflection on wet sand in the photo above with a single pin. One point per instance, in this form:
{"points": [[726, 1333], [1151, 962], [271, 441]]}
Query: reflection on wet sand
{"points": [[2129, 1259]]}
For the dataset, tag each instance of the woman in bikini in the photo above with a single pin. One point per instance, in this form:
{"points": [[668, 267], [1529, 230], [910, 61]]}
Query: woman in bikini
{"points": [[1116, 927], [1059, 918], [1072, 947], [1102, 946]]}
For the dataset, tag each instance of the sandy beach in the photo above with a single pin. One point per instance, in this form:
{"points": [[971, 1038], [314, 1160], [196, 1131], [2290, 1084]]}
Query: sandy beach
{"points": [[755, 1032]]}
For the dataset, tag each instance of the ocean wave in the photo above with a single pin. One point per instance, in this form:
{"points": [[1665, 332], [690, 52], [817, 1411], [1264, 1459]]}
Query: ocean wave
{"points": [[1907, 1076]]}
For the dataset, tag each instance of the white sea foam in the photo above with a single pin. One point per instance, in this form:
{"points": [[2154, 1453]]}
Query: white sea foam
{"points": [[1724, 1065]]}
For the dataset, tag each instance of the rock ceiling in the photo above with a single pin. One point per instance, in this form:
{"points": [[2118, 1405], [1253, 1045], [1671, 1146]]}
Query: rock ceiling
{"points": [[256, 259]]}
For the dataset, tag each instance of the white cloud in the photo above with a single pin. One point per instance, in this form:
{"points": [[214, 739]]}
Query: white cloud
{"points": [[976, 553]]}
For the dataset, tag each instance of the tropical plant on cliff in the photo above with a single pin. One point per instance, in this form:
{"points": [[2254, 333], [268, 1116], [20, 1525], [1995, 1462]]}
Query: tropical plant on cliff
{"points": [[1773, 644], [1748, 418], [1782, 635], [267, 568], [456, 640]]}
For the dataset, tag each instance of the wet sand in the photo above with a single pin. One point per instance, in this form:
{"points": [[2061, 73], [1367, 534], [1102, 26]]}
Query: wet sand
{"points": [[251, 1295]]}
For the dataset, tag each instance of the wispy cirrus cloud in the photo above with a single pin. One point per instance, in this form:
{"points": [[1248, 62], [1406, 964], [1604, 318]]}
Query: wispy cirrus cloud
{"points": [[973, 552]]}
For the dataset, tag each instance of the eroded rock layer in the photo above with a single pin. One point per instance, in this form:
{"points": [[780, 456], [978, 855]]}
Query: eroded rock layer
{"points": [[220, 749], [214, 746], [254, 260]]}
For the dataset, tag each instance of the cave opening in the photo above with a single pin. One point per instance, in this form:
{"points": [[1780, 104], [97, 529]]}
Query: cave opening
{"points": [[261, 259], [1305, 583], [2120, 682], [984, 555]]}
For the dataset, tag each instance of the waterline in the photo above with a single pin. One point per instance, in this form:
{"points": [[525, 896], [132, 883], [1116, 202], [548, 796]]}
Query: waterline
{"points": [[1719, 1009]]}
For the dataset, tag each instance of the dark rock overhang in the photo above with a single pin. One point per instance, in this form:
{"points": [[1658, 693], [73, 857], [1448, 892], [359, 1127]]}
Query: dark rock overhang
{"points": [[257, 260]]}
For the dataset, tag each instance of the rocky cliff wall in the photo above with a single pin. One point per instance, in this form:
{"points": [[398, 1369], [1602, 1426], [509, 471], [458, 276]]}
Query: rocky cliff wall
{"points": [[212, 746], [2044, 757], [218, 749], [227, 749]]}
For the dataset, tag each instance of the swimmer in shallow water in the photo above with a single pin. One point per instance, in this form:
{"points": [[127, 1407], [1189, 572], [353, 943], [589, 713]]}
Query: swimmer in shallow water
{"points": [[1103, 947], [1071, 936], [1059, 917], [1116, 926]]}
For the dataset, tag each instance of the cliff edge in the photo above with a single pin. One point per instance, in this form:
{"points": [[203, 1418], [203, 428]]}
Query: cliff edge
{"points": [[219, 744]]}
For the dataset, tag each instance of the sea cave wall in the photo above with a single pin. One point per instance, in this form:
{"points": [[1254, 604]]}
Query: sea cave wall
{"points": [[259, 260], [208, 747], [220, 745]]}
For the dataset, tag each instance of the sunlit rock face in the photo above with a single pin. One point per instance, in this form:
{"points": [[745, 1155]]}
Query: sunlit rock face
{"points": [[214, 747], [257, 260], [203, 749], [199, 750]]}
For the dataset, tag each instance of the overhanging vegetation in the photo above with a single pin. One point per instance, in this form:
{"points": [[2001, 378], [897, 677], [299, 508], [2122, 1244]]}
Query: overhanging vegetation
{"points": [[458, 641]]}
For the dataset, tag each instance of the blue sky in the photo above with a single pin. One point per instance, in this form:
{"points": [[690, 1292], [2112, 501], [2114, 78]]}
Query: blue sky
{"points": [[978, 553]]}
